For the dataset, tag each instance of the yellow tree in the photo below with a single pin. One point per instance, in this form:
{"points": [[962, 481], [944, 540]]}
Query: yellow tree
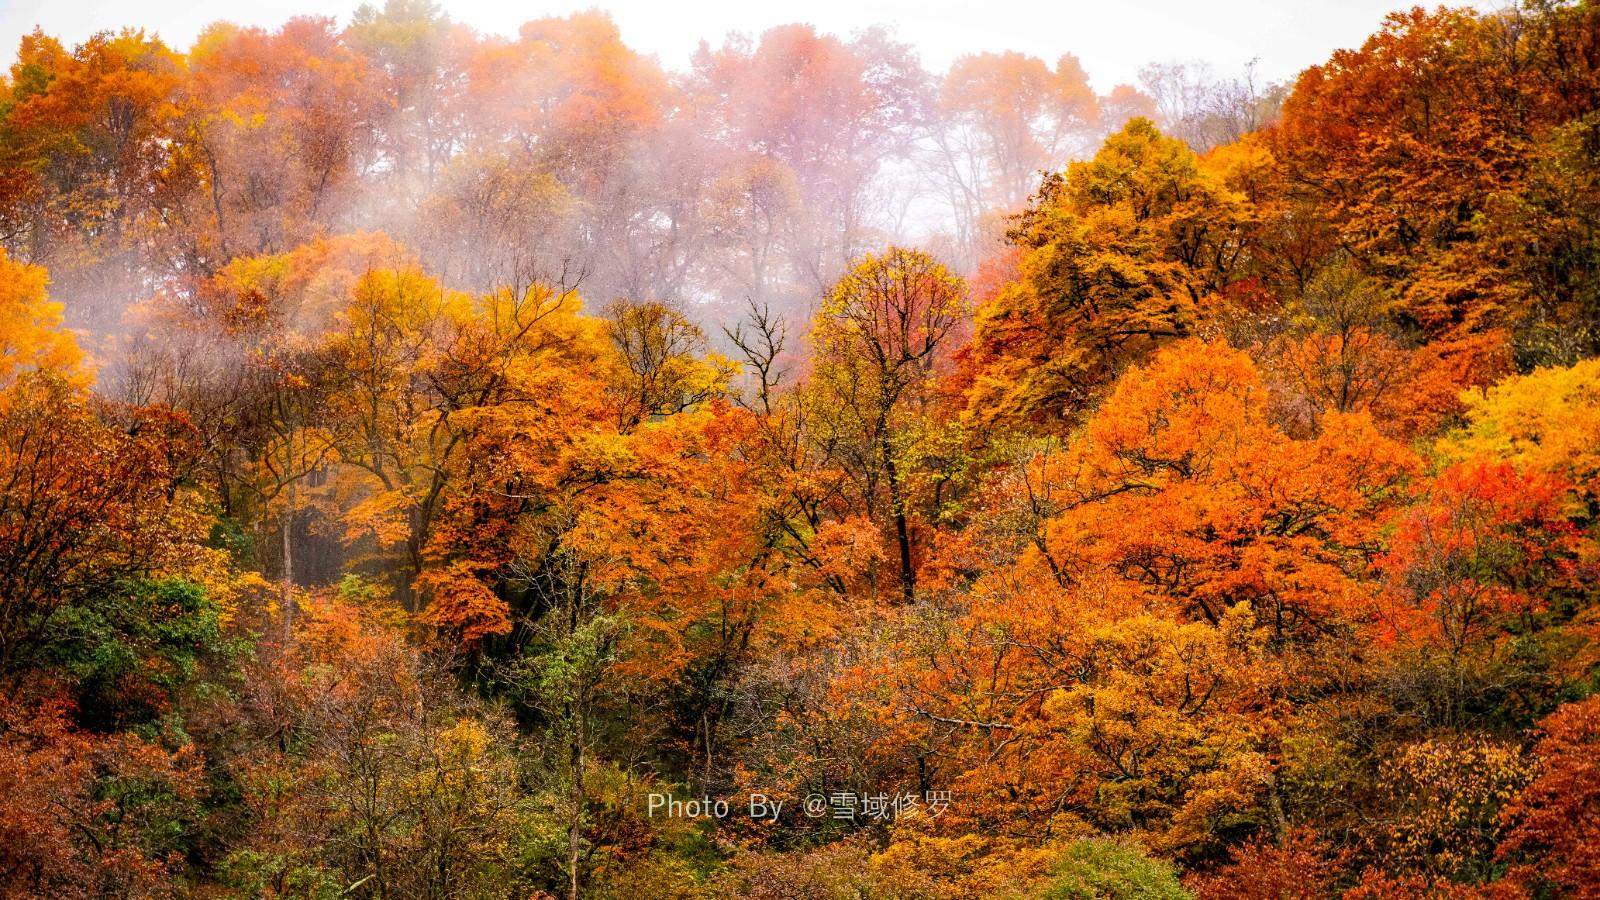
{"points": [[420, 367], [1121, 253], [83, 135], [878, 339], [31, 337]]}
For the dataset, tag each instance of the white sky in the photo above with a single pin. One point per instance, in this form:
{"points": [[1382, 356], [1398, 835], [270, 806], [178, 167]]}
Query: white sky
{"points": [[1112, 37]]}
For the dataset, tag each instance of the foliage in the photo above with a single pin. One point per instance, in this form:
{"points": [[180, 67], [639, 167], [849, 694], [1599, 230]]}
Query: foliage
{"points": [[132, 651], [1104, 868], [1121, 253], [1549, 815], [1229, 532]]}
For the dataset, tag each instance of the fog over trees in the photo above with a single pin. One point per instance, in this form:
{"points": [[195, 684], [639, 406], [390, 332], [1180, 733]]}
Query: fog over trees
{"points": [[559, 154]]}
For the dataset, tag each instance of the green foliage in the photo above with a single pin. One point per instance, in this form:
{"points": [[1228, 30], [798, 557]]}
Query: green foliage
{"points": [[1105, 869], [661, 875], [131, 651], [228, 533], [553, 672], [254, 873]]}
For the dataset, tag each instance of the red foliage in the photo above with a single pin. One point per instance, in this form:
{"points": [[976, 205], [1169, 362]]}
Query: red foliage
{"points": [[1485, 542], [1301, 866], [1555, 822], [61, 834]]}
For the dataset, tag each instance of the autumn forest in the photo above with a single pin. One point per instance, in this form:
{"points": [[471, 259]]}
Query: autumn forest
{"points": [[440, 464]]}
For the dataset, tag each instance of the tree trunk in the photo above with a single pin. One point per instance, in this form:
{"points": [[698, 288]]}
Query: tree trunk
{"points": [[288, 548], [908, 578], [575, 827]]}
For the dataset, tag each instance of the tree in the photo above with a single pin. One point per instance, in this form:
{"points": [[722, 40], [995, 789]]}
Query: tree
{"points": [[1545, 421], [1543, 228], [1102, 868], [661, 371], [1447, 796], [1221, 541], [422, 370], [564, 677], [1205, 111], [239, 356], [1298, 868], [88, 502], [1002, 120], [1482, 531], [393, 781], [878, 336], [86, 135], [421, 57], [31, 336], [1405, 143], [1343, 353], [1182, 485], [1551, 819], [826, 112], [491, 221], [1121, 254], [89, 815], [271, 132]]}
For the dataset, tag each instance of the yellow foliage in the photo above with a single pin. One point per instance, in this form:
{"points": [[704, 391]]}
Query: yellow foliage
{"points": [[381, 516], [229, 588], [1548, 420], [1448, 793], [968, 865], [462, 603], [31, 336]]}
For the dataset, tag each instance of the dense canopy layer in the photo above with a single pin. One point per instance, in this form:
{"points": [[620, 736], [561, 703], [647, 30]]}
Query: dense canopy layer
{"points": [[491, 467]]}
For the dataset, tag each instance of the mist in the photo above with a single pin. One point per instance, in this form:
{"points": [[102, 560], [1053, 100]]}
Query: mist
{"points": [[559, 155]]}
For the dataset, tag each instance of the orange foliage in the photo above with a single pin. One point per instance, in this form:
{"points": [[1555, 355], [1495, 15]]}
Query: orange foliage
{"points": [[1553, 819], [60, 833], [1300, 867], [31, 337], [1485, 542], [1209, 516], [90, 502], [1184, 489]]}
